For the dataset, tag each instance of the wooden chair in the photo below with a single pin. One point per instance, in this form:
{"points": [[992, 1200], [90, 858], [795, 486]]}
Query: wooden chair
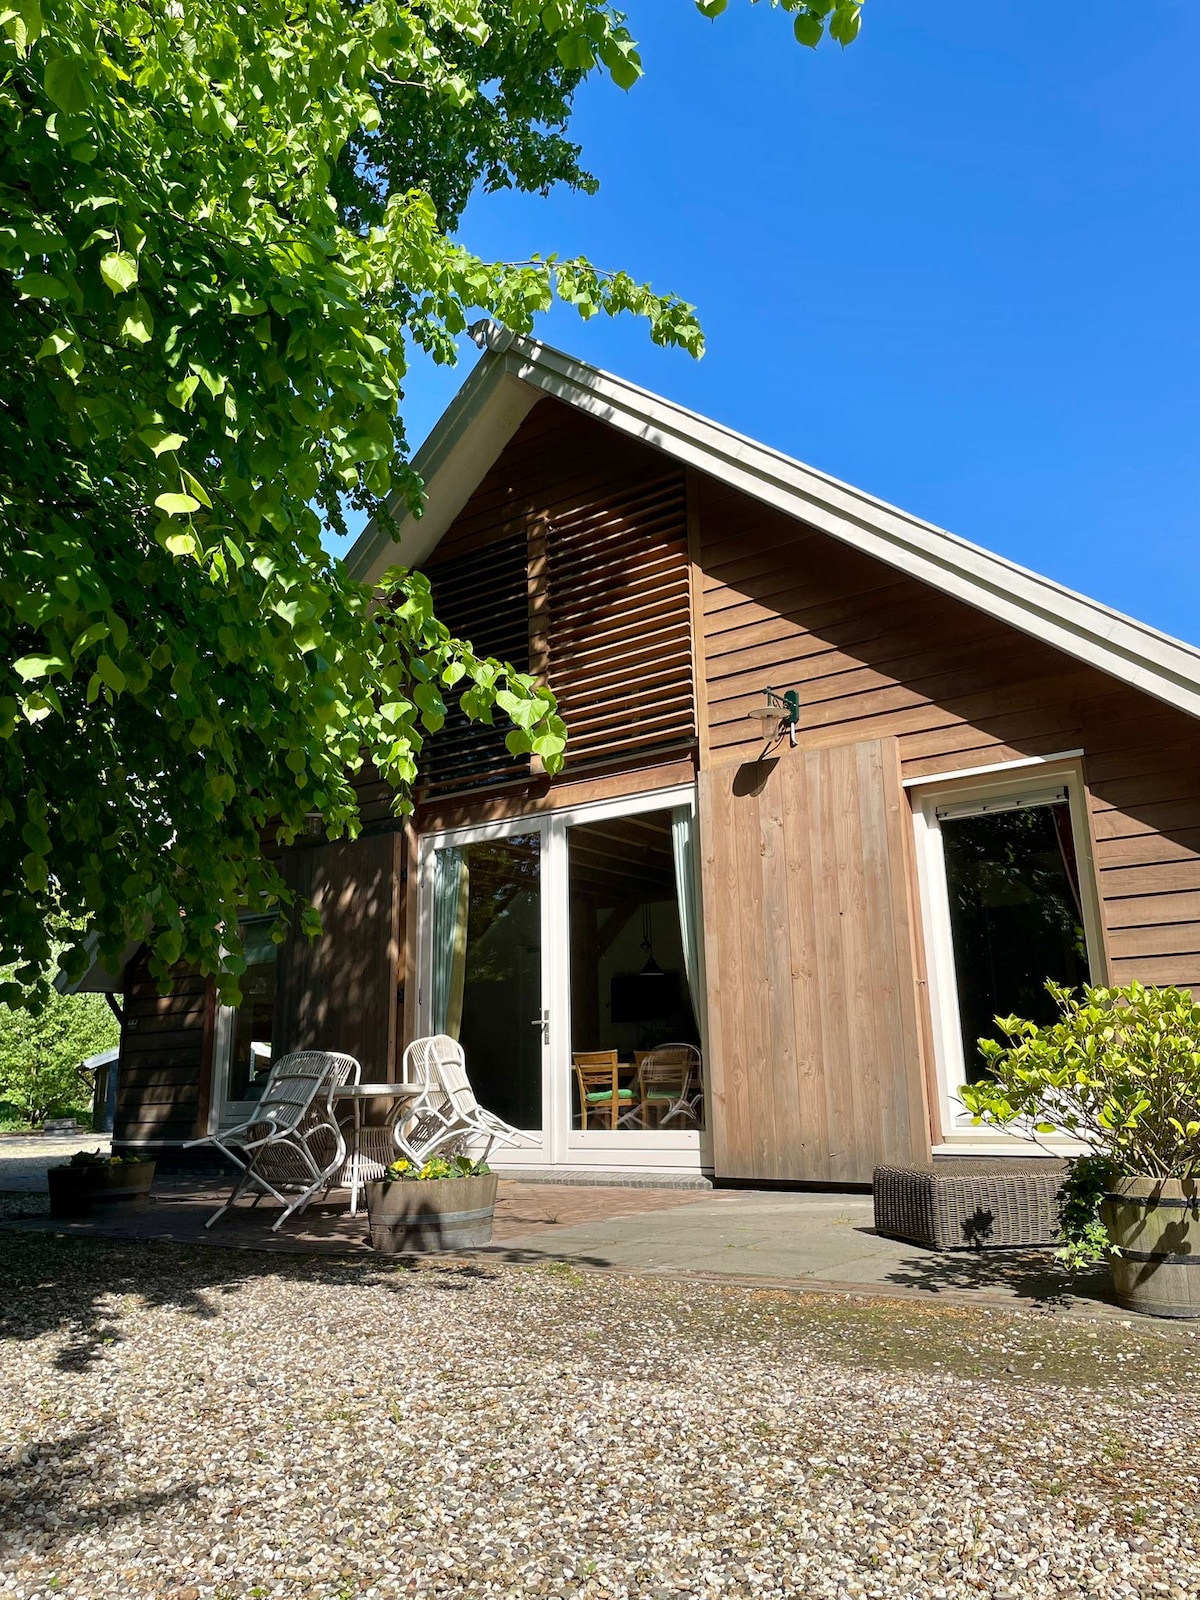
{"points": [[669, 1087], [599, 1090]]}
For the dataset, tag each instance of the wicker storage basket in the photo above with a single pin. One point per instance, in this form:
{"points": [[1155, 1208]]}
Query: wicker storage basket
{"points": [[970, 1205]]}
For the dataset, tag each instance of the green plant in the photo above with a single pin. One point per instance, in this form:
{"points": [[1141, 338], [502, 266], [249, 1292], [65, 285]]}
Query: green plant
{"points": [[96, 1158], [40, 1056], [1085, 1241], [435, 1168], [1120, 1071]]}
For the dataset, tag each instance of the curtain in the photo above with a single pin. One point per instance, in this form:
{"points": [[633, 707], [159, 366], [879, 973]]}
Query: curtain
{"points": [[451, 896], [682, 834]]}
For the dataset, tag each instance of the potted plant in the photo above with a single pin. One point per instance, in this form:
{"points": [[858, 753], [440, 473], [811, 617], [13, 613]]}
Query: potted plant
{"points": [[1119, 1071], [91, 1182], [445, 1204]]}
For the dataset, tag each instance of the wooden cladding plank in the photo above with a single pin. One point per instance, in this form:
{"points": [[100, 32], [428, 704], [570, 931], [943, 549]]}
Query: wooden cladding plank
{"points": [[339, 992], [876, 654], [164, 1045], [816, 1042]]}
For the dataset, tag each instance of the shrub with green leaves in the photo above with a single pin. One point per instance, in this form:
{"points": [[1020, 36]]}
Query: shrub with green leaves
{"points": [[40, 1056], [222, 227], [1119, 1070]]}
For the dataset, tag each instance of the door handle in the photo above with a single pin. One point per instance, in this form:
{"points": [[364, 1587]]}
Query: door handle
{"points": [[542, 1022]]}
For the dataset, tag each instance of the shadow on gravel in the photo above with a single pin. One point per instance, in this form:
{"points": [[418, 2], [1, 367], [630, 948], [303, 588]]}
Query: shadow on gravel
{"points": [[40, 1484], [72, 1285]]}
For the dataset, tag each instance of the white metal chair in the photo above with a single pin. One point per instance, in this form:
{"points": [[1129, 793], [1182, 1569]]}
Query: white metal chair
{"points": [[446, 1114], [293, 1140], [669, 1087]]}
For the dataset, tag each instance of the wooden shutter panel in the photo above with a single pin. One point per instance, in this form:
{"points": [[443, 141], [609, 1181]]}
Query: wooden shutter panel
{"points": [[340, 991], [618, 620], [482, 596], [814, 1032]]}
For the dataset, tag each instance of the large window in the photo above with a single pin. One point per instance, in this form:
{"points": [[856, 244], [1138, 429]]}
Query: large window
{"points": [[248, 1030], [486, 970], [1008, 904], [631, 999]]}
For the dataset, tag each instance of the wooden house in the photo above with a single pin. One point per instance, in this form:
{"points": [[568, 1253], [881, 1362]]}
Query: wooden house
{"points": [[987, 780]]}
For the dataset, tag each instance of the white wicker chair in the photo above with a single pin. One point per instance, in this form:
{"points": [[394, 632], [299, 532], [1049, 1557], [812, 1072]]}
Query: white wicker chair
{"points": [[446, 1115], [293, 1140]]}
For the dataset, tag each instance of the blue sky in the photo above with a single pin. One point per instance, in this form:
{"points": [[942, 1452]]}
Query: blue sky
{"points": [[954, 265]]}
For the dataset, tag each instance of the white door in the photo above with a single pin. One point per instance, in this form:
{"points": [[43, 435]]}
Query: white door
{"points": [[548, 937]]}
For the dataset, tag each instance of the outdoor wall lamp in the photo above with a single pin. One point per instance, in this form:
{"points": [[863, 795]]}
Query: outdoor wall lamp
{"points": [[780, 714]]}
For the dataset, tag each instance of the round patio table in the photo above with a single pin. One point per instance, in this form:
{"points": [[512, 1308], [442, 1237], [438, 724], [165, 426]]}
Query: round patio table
{"points": [[357, 1094]]}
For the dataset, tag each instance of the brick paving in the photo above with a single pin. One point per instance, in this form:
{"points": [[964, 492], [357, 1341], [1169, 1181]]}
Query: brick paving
{"points": [[181, 1206]]}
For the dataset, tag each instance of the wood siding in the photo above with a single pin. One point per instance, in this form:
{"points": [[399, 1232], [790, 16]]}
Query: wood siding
{"points": [[874, 653], [340, 991], [607, 602], [166, 1042], [815, 1042]]}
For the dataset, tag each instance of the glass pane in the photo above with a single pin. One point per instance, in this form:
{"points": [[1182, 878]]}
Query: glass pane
{"points": [[1015, 916], [635, 1062], [254, 1020], [487, 969]]}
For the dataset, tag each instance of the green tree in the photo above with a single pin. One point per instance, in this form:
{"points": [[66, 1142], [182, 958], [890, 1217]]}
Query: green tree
{"points": [[221, 228], [40, 1055]]}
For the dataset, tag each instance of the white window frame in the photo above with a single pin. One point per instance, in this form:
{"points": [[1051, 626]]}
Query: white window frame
{"points": [[559, 1144], [1019, 783], [226, 1113]]}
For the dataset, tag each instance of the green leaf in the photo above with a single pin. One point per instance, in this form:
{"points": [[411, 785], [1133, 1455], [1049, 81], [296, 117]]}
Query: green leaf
{"points": [[119, 271], [111, 673], [177, 505], [42, 286], [66, 83], [808, 30], [38, 666], [160, 441]]}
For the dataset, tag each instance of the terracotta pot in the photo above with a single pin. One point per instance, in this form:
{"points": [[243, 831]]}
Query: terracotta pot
{"points": [[101, 1189], [439, 1214], [1155, 1223]]}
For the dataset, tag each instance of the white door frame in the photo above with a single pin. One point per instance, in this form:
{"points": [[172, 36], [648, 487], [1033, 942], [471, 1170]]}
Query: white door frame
{"points": [[561, 1145]]}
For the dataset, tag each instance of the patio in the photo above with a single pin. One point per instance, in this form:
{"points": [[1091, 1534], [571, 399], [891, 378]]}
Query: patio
{"points": [[809, 1240]]}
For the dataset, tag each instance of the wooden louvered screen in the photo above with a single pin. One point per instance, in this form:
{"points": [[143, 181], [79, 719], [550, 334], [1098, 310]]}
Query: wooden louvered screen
{"points": [[483, 597], [617, 619]]}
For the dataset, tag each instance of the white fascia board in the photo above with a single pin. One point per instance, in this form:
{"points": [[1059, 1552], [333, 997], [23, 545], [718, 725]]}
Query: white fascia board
{"points": [[1118, 645], [481, 419]]}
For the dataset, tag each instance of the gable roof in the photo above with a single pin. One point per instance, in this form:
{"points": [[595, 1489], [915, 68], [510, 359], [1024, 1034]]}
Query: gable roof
{"points": [[515, 372]]}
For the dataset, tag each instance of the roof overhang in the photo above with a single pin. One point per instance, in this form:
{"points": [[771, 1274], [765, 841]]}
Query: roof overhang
{"points": [[515, 372], [100, 977]]}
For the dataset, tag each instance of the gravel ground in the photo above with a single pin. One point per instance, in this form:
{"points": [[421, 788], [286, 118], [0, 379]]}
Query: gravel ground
{"points": [[194, 1424]]}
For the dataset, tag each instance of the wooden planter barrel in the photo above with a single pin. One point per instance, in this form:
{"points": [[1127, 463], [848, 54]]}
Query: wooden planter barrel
{"points": [[439, 1214], [100, 1190], [1155, 1223]]}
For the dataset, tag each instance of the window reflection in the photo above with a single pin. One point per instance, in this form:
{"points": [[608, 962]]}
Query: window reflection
{"points": [[634, 1037], [1016, 917], [254, 1020]]}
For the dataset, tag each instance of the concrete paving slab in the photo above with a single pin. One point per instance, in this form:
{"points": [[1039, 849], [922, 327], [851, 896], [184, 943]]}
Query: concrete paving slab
{"points": [[819, 1239], [799, 1240]]}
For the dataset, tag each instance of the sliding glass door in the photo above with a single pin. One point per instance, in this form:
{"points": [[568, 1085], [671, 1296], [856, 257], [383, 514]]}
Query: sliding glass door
{"points": [[485, 967], [564, 953]]}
